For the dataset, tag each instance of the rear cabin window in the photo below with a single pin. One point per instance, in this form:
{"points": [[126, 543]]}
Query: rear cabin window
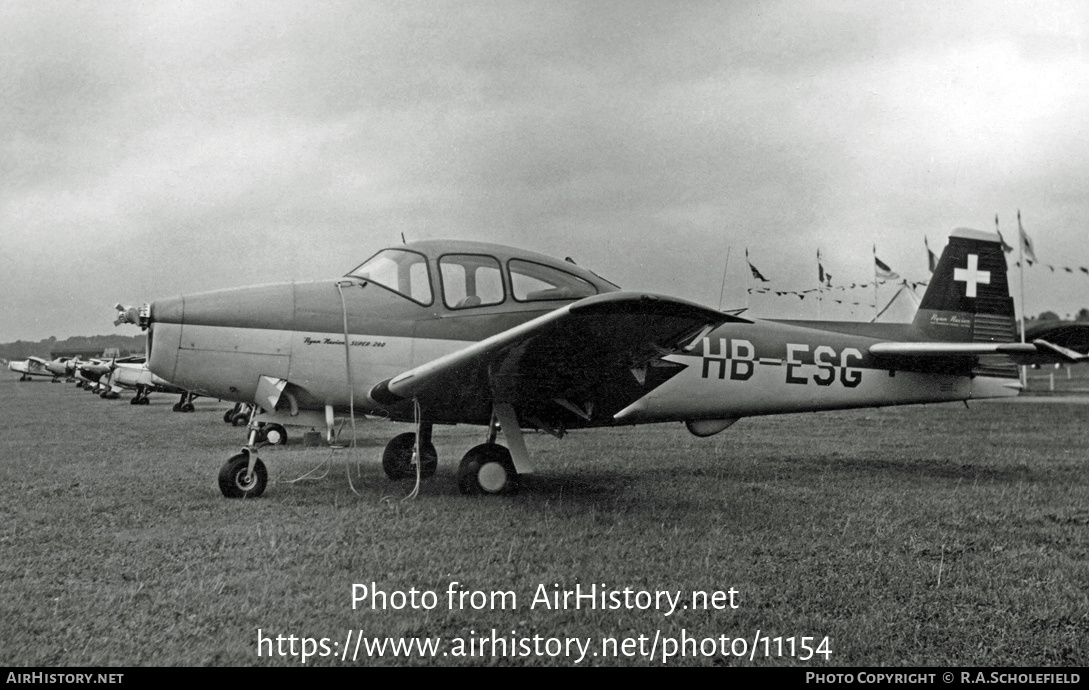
{"points": [[402, 271], [532, 282], [470, 280]]}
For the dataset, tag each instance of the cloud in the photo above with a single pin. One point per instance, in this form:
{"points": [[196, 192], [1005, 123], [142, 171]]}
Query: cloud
{"points": [[245, 142]]}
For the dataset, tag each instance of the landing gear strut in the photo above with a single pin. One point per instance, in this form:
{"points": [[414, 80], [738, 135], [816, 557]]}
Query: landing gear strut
{"points": [[244, 475], [141, 397]]}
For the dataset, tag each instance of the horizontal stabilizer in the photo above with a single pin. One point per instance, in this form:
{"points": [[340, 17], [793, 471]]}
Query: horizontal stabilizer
{"points": [[1036, 352]]}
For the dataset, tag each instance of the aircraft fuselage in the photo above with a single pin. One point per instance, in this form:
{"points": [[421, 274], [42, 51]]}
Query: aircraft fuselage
{"points": [[221, 344]]}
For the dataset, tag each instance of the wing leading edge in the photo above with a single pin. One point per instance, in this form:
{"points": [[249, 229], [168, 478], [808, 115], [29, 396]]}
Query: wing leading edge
{"points": [[575, 366]]}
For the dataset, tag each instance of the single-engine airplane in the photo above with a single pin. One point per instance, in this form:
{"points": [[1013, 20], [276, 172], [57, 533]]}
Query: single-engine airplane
{"points": [[137, 376], [450, 332], [62, 367], [30, 367]]}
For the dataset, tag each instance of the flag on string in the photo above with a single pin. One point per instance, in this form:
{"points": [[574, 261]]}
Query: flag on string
{"points": [[1026, 243], [824, 278], [755, 273], [1005, 246], [881, 269], [931, 259]]}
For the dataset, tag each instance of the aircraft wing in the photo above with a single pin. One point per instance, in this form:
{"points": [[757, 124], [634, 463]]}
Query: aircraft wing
{"points": [[1036, 352], [1074, 336], [585, 360]]}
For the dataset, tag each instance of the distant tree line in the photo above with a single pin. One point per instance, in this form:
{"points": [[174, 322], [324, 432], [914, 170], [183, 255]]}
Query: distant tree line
{"points": [[1082, 315], [21, 349]]}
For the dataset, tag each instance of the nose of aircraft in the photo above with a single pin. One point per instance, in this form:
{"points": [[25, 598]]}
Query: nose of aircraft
{"points": [[186, 333], [262, 306]]}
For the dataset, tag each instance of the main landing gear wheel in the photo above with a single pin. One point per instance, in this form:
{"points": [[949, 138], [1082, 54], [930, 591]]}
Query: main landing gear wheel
{"points": [[397, 458], [487, 469], [274, 434], [186, 403], [239, 408], [235, 482]]}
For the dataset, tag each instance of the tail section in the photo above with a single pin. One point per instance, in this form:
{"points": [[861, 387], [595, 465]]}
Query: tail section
{"points": [[968, 299]]}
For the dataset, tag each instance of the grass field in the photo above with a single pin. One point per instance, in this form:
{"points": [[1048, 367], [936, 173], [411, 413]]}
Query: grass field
{"points": [[908, 536]]}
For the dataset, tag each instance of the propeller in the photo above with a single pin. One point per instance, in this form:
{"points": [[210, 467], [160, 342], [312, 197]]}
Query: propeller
{"points": [[137, 316]]}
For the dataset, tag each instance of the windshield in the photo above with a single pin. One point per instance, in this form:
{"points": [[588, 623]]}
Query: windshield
{"points": [[399, 270]]}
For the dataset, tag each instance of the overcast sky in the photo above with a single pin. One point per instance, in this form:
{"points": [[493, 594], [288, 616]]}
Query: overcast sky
{"points": [[154, 149]]}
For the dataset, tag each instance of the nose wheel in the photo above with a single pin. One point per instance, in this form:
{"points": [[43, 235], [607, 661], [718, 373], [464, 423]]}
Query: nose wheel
{"points": [[237, 480]]}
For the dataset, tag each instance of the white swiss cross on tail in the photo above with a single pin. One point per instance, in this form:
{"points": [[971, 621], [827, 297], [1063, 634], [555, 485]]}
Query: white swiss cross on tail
{"points": [[972, 276]]}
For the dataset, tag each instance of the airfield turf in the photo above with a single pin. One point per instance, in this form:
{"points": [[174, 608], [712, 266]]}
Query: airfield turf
{"points": [[932, 535]]}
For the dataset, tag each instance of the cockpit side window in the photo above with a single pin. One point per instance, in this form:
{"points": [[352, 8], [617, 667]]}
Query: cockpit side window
{"points": [[532, 282], [470, 280], [399, 270]]}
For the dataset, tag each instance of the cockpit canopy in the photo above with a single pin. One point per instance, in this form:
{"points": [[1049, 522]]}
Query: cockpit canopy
{"points": [[470, 274]]}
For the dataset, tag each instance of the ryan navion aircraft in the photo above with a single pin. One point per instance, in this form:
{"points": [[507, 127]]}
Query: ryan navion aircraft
{"points": [[448, 332]]}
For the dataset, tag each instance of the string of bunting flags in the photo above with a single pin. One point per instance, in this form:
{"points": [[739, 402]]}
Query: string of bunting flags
{"points": [[883, 273], [1029, 251]]}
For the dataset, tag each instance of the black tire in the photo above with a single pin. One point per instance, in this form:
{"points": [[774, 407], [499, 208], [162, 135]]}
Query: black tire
{"points": [[274, 434], [187, 407], [228, 416], [234, 483], [144, 401], [240, 419], [177, 407], [487, 469], [135, 401], [397, 458]]}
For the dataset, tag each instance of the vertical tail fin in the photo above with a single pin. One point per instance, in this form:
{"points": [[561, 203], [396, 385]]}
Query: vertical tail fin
{"points": [[968, 299]]}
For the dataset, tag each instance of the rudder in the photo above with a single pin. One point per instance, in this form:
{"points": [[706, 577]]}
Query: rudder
{"points": [[968, 299]]}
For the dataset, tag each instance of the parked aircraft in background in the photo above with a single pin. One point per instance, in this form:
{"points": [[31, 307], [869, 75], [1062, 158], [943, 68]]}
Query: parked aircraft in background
{"points": [[446, 332], [90, 375], [29, 367], [62, 366], [137, 376]]}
